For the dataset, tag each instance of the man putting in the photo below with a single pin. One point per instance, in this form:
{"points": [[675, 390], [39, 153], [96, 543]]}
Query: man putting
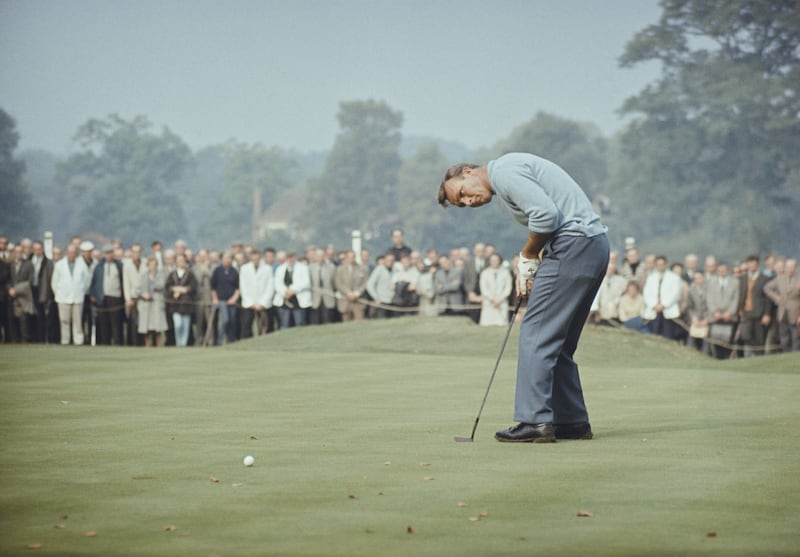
{"points": [[565, 230]]}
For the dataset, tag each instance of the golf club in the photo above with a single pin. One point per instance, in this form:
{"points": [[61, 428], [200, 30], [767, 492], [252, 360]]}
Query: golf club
{"points": [[471, 438]]}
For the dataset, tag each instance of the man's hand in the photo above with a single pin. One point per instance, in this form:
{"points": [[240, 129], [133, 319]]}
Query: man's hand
{"points": [[526, 269]]}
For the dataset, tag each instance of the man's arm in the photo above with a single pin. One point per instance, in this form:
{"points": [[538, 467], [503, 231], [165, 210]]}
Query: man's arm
{"points": [[535, 244]]}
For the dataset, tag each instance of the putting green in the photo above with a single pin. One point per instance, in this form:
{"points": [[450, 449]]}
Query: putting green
{"points": [[352, 430]]}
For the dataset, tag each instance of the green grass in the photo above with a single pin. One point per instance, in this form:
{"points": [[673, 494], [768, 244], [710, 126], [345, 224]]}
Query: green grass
{"points": [[348, 423]]}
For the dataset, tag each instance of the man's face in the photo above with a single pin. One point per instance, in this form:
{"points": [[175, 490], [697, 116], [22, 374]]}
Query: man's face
{"points": [[71, 253], [18, 253], [752, 265], [350, 257], [255, 258], [38, 249], [710, 264], [661, 265], [269, 257], [136, 252], [388, 260], [397, 238], [632, 255], [467, 190], [108, 256], [791, 266], [226, 260], [722, 270]]}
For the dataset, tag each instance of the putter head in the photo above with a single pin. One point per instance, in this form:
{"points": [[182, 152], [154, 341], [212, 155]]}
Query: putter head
{"points": [[463, 439]]}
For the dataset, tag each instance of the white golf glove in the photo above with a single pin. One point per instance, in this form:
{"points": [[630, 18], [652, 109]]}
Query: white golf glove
{"points": [[526, 270]]}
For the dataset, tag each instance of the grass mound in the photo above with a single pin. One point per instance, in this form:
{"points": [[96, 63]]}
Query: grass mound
{"points": [[351, 427]]}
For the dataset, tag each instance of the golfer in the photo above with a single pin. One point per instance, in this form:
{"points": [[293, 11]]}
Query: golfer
{"points": [[567, 250]]}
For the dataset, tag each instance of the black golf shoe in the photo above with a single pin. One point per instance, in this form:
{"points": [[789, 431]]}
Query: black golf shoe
{"points": [[527, 433], [573, 431]]}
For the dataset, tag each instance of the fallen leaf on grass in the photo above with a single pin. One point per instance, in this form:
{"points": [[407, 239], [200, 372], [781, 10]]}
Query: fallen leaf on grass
{"points": [[237, 485], [424, 464], [64, 402], [483, 514], [253, 438], [711, 534], [170, 528], [369, 530], [90, 534], [352, 496], [427, 478], [474, 518], [462, 504], [387, 463], [380, 493], [410, 530], [60, 526], [583, 514], [213, 480], [33, 546], [63, 517]]}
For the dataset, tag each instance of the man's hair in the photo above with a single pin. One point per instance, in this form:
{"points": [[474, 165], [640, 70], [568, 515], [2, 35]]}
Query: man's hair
{"points": [[452, 172], [752, 258]]}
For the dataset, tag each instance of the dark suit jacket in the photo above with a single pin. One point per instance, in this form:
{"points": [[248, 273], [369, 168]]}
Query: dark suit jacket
{"points": [[45, 278], [5, 282], [762, 305], [184, 304], [98, 277]]}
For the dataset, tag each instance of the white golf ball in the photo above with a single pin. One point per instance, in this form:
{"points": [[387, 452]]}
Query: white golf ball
{"points": [[249, 460]]}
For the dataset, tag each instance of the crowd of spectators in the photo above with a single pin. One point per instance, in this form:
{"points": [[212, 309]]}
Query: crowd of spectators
{"points": [[742, 309], [112, 294]]}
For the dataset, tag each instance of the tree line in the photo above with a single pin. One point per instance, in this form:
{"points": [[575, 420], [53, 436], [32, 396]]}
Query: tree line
{"points": [[708, 161]]}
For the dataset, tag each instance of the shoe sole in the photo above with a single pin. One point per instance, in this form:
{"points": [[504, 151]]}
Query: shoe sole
{"points": [[583, 437], [534, 440]]}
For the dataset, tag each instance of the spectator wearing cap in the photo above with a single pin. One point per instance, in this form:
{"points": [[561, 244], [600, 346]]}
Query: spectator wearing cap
{"points": [[107, 295]]}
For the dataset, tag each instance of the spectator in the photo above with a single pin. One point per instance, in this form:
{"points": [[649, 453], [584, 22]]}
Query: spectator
{"points": [[57, 254], [632, 268], [449, 287], [697, 311], [203, 309], [404, 284], [89, 313], [272, 312], [225, 296], [150, 305], [167, 267], [691, 262], [722, 297], [426, 291], [681, 332], [69, 282], [710, 268], [495, 287], [43, 329], [323, 299], [132, 273], [605, 308], [107, 295], [471, 281], [5, 284], [662, 293], [350, 283], [181, 287], [379, 285], [292, 292], [784, 291], [399, 247], [631, 307], [257, 290], [755, 308]]}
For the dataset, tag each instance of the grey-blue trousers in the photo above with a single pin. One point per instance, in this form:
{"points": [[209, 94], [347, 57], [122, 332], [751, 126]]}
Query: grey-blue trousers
{"points": [[548, 385]]}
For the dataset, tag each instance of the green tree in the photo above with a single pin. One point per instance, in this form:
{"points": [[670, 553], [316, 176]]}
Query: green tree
{"points": [[577, 147], [19, 212], [124, 177], [57, 208], [248, 168], [712, 152], [357, 187], [417, 209]]}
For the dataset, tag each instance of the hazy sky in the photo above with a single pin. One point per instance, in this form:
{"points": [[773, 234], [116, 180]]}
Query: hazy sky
{"points": [[274, 71]]}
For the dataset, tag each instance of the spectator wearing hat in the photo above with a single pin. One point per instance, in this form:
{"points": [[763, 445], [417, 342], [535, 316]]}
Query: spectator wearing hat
{"points": [[107, 295]]}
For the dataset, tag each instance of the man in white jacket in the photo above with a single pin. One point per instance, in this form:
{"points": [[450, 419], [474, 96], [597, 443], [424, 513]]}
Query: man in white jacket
{"points": [[662, 295], [292, 292], [257, 289], [69, 282]]}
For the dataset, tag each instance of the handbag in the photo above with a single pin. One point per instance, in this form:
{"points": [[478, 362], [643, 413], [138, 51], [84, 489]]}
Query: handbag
{"points": [[698, 331]]}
